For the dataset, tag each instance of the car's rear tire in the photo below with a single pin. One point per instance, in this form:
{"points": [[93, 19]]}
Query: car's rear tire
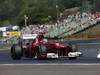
{"points": [[16, 52]]}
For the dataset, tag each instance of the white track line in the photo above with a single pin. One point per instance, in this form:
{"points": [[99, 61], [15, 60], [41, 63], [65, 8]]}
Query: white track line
{"points": [[88, 43], [74, 64]]}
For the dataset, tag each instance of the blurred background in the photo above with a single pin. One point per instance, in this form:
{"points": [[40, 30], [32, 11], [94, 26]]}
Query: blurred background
{"points": [[59, 19]]}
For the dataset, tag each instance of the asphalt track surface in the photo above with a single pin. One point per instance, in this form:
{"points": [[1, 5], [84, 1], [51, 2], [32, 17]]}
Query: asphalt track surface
{"points": [[88, 64], [90, 52]]}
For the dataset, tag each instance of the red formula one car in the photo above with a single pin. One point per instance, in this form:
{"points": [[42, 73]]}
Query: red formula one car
{"points": [[29, 47]]}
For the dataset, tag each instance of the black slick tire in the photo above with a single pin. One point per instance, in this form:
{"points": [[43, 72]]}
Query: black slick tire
{"points": [[16, 52]]}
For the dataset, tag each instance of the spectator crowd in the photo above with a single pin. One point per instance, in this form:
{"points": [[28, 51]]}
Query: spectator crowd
{"points": [[72, 22]]}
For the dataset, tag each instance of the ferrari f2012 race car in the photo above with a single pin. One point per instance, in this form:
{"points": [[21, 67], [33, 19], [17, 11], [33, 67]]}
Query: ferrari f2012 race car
{"points": [[29, 47]]}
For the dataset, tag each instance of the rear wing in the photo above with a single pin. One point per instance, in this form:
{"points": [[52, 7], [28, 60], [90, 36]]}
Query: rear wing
{"points": [[29, 36]]}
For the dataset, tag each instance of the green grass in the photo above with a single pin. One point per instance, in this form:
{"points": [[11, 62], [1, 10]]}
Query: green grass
{"points": [[3, 49]]}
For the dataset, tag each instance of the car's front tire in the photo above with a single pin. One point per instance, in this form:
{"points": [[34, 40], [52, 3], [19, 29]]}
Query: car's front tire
{"points": [[73, 46]]}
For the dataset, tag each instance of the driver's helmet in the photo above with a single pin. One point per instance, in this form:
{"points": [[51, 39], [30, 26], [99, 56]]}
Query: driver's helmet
{"points": [[40, 37], [45, 40]]}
